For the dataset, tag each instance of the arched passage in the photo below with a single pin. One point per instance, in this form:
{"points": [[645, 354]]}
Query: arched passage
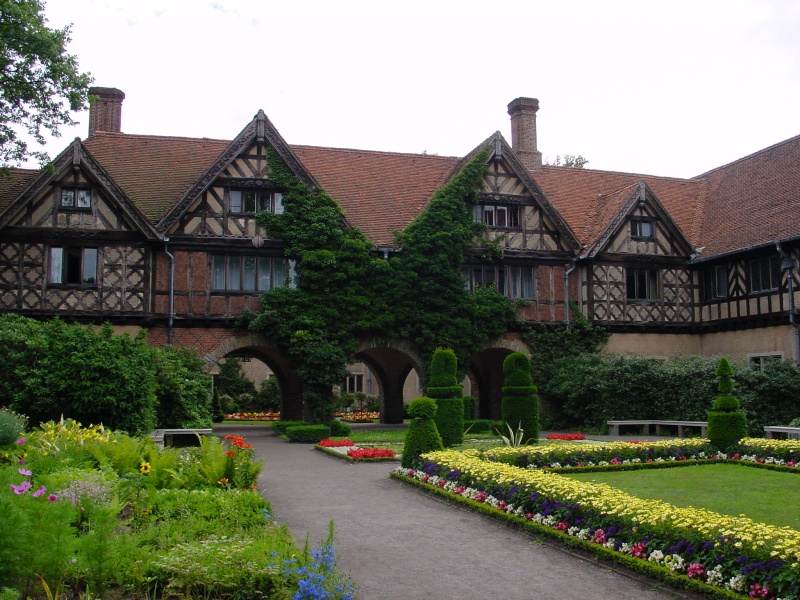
{"points": [[391, 361], [257, 345], [486, 374]]}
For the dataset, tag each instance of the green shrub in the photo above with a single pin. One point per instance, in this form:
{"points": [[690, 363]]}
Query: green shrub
{"points": [[444, 387], [422, 435], [794, 422], [339, 429], [280, 427], [725, 428], [182, 385], [726, 423], [11, 426], [308, 434], [520, 403], [470, 408]]}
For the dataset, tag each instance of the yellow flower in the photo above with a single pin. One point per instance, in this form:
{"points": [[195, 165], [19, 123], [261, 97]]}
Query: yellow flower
{"points": [[144, 467]]}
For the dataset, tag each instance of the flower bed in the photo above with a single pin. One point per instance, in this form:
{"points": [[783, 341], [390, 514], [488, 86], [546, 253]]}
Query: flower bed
{"points": [[346, 449], [567, 437], [254, 416], [722, 556], [360, 417]]}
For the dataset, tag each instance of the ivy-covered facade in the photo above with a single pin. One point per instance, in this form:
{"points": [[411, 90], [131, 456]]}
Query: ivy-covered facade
{"points": [[312, 258]]}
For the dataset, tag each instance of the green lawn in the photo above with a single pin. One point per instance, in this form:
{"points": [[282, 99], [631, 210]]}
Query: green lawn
{"points": [[765, 496]]}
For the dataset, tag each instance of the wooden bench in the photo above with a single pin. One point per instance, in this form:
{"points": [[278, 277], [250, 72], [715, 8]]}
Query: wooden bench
{"points": [[792, 433], [166, 437], [644, 426]]}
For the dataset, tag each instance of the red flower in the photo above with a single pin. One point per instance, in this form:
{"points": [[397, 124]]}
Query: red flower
{"points": [[230, 453]]}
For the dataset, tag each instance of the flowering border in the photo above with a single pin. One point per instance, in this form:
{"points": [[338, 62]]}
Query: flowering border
{"points": [[725, 557], [353, 453]]}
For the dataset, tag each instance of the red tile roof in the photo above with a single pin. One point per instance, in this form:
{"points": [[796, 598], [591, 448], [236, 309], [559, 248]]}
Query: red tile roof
{"points": [[749, 202], [153, 171], [380, 192], [587, 198], [752, 201], [13, 185]]}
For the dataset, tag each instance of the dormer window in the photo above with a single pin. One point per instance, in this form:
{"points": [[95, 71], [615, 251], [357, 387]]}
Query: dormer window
{"points": [[255, 201], [497, 215], [76, 199], [642, 229]]}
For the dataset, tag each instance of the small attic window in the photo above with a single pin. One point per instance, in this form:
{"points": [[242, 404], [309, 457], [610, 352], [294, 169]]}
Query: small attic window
{"points": [[76, 199], [497, 216], [251, 202], [642, 229]]}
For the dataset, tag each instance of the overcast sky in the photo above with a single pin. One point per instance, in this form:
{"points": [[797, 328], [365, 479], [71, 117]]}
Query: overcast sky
{"points": [[666, 88]]}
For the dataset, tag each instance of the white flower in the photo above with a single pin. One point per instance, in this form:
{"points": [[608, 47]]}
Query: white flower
{"points": [[735, 583], [656, 556]]}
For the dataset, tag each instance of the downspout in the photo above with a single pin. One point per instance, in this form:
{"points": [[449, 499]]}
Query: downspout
{"points": [[171, 317], [567, 308], [788, 264]]}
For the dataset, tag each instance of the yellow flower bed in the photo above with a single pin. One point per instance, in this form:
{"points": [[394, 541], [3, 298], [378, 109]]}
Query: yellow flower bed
{"points": [[545, 449], [749, 535]]}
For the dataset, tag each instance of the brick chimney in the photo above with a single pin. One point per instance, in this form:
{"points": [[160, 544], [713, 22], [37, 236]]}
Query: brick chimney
{"points": [[105, 113], [523, 131]]}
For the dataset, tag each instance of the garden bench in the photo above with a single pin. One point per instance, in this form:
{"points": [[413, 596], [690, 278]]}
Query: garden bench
{"points": [[644, 426], [792, 433], [166, 437]]}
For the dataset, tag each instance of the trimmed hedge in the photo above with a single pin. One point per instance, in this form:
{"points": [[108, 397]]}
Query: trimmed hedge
{"points": [[520, 404], [308, 434], [444, 388], [726, 423], [339, 429], [422, 435], [280, 427]]}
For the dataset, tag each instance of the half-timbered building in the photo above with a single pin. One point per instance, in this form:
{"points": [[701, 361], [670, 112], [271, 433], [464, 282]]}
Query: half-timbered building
{"points": [[159, 232]]}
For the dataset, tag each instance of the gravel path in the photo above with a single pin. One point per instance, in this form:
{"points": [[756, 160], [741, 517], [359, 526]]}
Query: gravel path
{"points": [[399, 543]]}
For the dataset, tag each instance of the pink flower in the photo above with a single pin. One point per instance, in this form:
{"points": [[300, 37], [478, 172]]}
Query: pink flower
{"points": [[529, 516], [52, 497], [599, 537], [695, 570], [25, 472], [39, 492], [480, 497], [561, 526], [21, 488], [20, 441], [639, 550]]}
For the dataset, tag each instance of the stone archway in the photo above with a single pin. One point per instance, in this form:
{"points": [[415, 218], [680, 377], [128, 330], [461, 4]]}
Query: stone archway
{"points": [[259, 346], [486, 373], [391, 361]]}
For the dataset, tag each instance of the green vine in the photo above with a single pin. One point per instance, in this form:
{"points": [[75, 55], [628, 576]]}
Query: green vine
{"points": [[345, 290]]}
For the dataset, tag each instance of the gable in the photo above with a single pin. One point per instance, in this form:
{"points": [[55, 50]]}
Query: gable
{"points": [[516, 211], [634, 223], [244, 158], [76, 198]]}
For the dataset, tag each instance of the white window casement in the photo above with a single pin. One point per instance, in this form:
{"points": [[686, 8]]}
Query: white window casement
{"points": [[253, 201], [764, 274], [73, 266], [514, 282], [641, 229], [248, 273], [76, 199], [504, 216], [641, 284]]}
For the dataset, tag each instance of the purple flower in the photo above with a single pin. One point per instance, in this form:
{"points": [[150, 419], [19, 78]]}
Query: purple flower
{"points": [[39, 492], [21, 488], [52, 497], [25, 472], [20, 441], [22, 461]]}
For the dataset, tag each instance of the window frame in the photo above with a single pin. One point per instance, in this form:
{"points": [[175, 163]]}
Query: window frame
{"points": [[63, 262], [511, 212], [773, 271], [637, 231], [506, 279], [719, 274], [77, 192], [228, 268], [651, 284], [262, 201]]}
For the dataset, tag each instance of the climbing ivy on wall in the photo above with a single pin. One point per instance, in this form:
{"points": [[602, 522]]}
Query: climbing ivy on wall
{"points": [[344, 289]]}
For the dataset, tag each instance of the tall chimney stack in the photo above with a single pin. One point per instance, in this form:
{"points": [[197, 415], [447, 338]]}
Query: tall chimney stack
{"points": [[105, 113], [523, 131]]}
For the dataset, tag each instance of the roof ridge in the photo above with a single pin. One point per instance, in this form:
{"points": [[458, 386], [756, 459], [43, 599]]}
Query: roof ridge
{"points": [[387, 152], [625, 173], [748, 157], [98, 134]]}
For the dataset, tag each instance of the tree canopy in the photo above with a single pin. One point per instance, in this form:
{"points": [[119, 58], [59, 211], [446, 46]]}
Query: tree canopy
{"points": [[40, 83]]}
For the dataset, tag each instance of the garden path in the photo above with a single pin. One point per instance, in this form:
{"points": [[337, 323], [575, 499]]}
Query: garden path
{"points": [[398, 543]]}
